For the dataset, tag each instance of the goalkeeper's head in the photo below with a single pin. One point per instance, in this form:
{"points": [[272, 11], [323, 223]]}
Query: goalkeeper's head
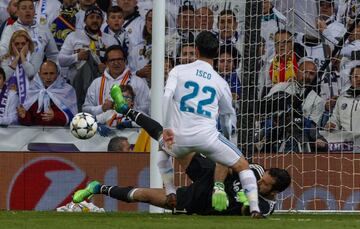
{"points": [[206, 45], [274, 181]]}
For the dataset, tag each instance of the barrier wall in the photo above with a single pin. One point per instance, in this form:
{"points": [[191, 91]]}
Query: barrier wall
{"points": [[44, 181]]}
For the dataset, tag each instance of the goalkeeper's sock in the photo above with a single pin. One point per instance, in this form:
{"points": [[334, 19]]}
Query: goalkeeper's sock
{"points": [[132, 114], [152, 127], [249, 184], [119, 193], [167, 172]]}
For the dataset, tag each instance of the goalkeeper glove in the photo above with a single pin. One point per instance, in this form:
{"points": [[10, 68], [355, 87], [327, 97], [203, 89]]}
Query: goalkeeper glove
{"points": [[241, 198], [219, 198]]}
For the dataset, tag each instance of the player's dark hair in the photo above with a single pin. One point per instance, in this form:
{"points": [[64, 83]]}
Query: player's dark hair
{"points": [[115, 144], [2, 74], [282, 179], [114, 9], [113, 48], [207, 44]]}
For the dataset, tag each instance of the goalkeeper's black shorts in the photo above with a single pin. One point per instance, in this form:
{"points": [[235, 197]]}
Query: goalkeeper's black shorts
{"points": [[196, 198]]}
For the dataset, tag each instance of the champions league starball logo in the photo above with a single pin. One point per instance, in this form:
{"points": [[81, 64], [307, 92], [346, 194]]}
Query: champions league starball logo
{"points": [[44, 183]]}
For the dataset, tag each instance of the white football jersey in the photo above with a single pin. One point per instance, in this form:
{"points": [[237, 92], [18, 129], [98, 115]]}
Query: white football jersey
{"points": [[200, 95]]}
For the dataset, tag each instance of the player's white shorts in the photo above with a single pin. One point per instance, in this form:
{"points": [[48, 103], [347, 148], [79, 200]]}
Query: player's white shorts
{"points": [[218, 149]]}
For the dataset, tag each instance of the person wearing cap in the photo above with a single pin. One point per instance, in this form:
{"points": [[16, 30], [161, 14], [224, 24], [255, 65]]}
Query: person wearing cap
{"points": [[346, 113], [312, 105], [44, 42], [84, 5], [80, 44], [83, 52], [298, 115]]}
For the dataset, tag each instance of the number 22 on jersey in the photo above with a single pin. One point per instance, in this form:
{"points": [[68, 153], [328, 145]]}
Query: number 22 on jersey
{"points": [[193, 94]]}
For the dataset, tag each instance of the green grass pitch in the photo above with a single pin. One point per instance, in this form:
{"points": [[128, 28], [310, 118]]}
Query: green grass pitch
{"points": [[50, 220]]}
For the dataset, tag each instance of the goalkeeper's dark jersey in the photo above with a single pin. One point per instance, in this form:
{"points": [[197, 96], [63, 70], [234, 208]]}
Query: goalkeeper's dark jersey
{"points": [[196, 198]]}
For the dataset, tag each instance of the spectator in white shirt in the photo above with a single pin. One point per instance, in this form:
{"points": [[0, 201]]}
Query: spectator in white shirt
{"points": [[44, 43], [98, 98]]}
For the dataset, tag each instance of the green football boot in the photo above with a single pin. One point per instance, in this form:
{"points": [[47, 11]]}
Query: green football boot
{"points": [[92, 188], [121, 105]]}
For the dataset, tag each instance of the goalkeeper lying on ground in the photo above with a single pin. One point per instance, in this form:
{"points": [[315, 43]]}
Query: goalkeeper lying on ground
{"points": [[198, 197]]}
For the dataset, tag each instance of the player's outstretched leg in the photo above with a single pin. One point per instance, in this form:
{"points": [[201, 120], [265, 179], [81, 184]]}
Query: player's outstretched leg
{"points": [[92, 188], [152, 127], [129, 194]]}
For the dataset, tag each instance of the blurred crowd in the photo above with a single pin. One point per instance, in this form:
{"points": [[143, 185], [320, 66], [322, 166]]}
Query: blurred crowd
{"points": [[60, 57]]}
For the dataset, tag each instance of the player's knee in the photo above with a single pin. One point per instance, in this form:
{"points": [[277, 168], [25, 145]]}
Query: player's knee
{"points": [[240, 165]]}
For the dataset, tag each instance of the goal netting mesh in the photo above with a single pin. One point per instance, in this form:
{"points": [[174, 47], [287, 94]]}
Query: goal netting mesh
{"points": [[291, 67]]}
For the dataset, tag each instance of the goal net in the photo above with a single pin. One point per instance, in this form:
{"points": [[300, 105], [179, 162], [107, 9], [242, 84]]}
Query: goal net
{"points": [[292, 69]]}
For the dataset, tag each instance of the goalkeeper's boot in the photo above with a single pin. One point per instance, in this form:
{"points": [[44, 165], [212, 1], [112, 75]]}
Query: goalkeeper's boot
{"points": [[121, 105], [92, 188]]}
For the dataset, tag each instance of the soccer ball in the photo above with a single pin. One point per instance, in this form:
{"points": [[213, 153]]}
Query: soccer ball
{"points": [[83, 126]]}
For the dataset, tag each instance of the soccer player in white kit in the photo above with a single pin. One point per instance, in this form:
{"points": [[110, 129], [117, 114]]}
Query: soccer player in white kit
{"points": [[195, 96]]}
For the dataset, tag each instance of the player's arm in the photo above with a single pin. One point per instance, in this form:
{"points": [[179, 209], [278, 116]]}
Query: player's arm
{"points": [[170, 87], [226, 111], [225, 123]]}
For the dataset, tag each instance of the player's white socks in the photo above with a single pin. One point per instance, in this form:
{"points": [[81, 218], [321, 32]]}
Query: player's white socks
{"points": [[249, 184], [166, 171]]}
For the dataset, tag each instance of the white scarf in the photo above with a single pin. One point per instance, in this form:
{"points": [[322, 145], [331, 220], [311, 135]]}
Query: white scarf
{"points": [[62, 94]]}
